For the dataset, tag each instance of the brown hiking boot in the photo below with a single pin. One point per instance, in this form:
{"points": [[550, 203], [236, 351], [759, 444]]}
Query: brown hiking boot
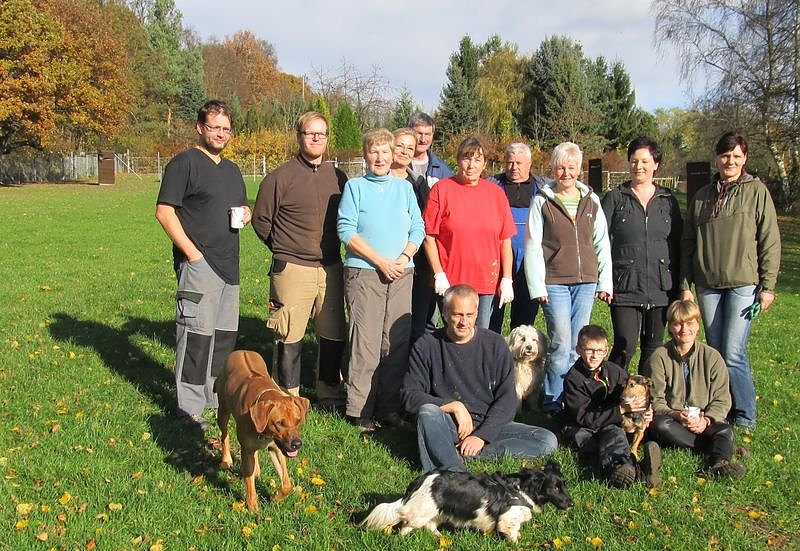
{"points": [[622, 476], [723, 467], [651, 464]]}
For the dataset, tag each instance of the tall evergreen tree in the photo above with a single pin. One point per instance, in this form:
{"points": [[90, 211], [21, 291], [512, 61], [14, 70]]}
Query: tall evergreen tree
{"points": [[458, 111], [403, 109], [178, 79], [345, 128]]}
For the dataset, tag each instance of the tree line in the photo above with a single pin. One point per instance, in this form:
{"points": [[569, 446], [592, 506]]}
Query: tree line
{"points": [[127, 74]]}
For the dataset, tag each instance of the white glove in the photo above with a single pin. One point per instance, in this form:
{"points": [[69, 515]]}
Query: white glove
{"points": [[506, 291], [440, 283]]}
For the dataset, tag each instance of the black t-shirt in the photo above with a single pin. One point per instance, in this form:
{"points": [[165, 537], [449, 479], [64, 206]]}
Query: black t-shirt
{"points": [[202, 193]]}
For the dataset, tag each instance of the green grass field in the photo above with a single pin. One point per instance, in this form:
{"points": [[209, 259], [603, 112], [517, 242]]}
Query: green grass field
{"points": [[91, 455]]}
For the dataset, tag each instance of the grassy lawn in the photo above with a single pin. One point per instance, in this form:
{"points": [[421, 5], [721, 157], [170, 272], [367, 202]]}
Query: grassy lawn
{"points": [[91, 455]]}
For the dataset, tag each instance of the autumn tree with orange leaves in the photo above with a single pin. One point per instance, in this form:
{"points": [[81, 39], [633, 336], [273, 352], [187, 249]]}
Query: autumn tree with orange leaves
{"points": [[62, 74]]}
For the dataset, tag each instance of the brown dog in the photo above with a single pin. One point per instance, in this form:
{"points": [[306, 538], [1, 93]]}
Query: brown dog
{"points": [[266, 417], [633, 421]]}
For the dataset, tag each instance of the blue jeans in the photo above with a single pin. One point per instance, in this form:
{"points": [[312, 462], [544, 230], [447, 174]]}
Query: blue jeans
{"points": [[437, 437], [567, 310], [727, 330]]}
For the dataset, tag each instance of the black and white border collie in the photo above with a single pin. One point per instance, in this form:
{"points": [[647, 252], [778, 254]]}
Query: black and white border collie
{"points": [[497, 502]]}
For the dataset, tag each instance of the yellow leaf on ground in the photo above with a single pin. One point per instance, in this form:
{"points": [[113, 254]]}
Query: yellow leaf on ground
{"points": [[559, 543], [247, 531], [115, 506], [595, 542], [65, 498], [317, 481], [24, 508], [445, 542], [237, 505], [755, 515], [21, 524], [778, 458], [42, 536]]}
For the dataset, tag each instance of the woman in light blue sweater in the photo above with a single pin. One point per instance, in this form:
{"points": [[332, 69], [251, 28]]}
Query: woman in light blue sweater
{"points": [[381, 227]]}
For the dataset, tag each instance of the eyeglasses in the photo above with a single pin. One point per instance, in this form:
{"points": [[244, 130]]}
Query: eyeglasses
{"points": [[595, 351], [317, 135], [217, 129]]}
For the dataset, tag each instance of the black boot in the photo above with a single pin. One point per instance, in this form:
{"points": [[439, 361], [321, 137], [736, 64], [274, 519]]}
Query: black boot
{"points": [[330, 361], [287, 364], [329, 391]]}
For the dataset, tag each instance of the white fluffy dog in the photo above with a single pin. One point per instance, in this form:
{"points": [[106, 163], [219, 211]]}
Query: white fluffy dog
{"points": [[529, 348]]}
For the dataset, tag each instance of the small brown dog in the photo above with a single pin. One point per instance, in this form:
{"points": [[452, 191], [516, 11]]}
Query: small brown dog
{"points": [[266, 417], [633, 421]]}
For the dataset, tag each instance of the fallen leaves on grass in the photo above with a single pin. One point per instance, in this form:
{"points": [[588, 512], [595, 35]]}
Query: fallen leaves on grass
{"points": [[778, 458], [65, 498], [317, 480], [24, 508], [560, 543], [595, 542]]}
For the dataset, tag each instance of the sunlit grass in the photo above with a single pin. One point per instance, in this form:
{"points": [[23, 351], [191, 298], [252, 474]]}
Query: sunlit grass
{"points": [[91, 456]]}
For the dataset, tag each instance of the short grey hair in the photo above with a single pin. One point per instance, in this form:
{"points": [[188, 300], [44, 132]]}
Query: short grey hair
{"points": [[518, 147], [461, 290], [420, 119], [567, 151]]}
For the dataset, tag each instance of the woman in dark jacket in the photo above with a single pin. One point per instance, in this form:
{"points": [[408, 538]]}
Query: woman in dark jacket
{"points": [[644, 224]]}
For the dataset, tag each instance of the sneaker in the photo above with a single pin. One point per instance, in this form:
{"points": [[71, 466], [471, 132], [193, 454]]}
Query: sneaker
{"points": [[723, 467], [651, 464], [622, 476], [362, 423]]}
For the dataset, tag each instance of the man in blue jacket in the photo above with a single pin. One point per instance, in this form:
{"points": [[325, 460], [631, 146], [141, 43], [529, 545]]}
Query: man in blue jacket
{"points": [[520, 187], [426, 163]]}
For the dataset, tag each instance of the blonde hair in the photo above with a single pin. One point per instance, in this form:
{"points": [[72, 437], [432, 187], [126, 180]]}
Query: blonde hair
{"points": [[377, 136], [682, 311], [567, 151], [405, 132]]}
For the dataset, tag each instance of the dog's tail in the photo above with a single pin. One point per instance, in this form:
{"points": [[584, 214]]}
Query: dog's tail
{"points": [[383, 516]]}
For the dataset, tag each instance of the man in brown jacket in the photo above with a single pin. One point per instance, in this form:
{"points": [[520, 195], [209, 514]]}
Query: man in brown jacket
{"points": [[295, 216]]}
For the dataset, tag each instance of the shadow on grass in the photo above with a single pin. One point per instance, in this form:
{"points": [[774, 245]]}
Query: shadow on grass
{"points": [[186, 446]]}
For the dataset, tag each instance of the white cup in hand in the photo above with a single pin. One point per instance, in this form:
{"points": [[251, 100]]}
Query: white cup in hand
{"points": [[237, 217]]}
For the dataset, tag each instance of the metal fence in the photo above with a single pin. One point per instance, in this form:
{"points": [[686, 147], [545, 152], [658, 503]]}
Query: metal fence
{"points": [[17, 168], [43, 167]]}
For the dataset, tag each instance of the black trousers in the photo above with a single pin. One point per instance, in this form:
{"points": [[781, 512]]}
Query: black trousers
{"points": [[603, 448], [716, 441], [632, 324]]}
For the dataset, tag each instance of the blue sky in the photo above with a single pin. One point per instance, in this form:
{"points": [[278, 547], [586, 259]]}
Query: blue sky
{"points": [[411, 41]]}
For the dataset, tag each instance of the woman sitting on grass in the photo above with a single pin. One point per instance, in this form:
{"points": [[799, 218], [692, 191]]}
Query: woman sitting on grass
{"points": [[690, 394]]}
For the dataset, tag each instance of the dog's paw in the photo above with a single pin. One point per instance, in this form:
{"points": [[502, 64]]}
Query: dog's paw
{"points": [[225, 464]]}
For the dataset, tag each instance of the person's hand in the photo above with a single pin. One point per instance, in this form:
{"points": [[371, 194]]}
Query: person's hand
{"points": [[248, 215], [440, 283], [605, 297], [766, 298], [541, 299], [686, 294], [391, 269], [461, 417], [506, 291], [648, 417], [471, 446], [697, 425]]}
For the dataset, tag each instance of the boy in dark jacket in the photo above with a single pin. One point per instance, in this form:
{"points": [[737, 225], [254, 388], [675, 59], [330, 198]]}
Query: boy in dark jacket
{"points": [[592, 391]]}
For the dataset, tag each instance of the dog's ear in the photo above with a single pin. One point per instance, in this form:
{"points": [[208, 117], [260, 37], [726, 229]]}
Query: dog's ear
{"points": [[304, 404], [259, 415]]}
